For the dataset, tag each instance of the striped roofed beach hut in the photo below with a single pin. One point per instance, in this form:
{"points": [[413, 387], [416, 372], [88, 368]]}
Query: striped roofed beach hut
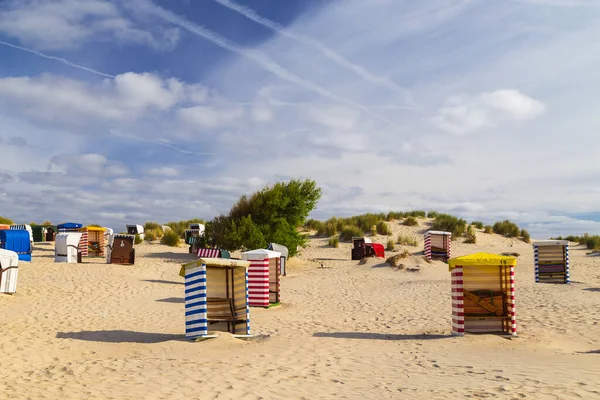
{"points": [[66, 247], [551, 258], [264, 277], [95, 241], [216, 297], [9, 271], [483, 294], [18, 241], [209, 253], [438, 245]]}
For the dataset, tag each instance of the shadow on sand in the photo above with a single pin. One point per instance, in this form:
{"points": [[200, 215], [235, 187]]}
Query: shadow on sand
{"points": [[177, 300], [592, 289], [162, 281], [173, 257], [589, 352], [120, 336], [378, 336]]}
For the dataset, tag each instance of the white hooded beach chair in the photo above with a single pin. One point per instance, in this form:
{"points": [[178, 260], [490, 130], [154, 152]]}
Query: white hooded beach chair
{"points": [[67, 247], [9, 271]]}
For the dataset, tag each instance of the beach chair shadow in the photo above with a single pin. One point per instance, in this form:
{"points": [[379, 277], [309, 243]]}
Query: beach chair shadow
{"points": [[162, 281], [173, 257], [177, 300], [379, 336], [120, 336], [592, 289]]}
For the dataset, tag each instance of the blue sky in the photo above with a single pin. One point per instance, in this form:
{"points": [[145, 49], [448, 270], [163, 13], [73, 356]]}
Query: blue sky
{"points": [[122, 112]]}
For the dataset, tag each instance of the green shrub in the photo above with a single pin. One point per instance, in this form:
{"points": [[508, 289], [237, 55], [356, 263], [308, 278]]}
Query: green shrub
{"points": [[407, 240], [313, 224], [148, 226], [150, 235], [416, 214], [477, 224], [138, 239], [525, 236], [6, 221], [390, 245], [432, 214], [383, 228], [348, 232], [170, 238], [593, 242], [321, 229], [449, 223], [373, 230], [488, 229], [334, 242], [506, 228], [410, 221], [470, 236], [330, 228]]}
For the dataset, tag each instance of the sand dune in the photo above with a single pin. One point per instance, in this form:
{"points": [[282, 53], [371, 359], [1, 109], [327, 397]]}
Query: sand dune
{"points": [[344, 331]]}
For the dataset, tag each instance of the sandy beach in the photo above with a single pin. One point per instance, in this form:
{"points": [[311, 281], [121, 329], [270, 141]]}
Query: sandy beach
{"points": [[346, 330]]}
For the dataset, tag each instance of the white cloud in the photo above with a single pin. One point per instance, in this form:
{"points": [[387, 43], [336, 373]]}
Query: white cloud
{"points": [[126, 98], [462, 114], [164, 171], [210, 116], [65, 24]]}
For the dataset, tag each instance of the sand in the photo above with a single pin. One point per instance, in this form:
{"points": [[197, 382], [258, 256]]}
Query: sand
{"points": [[99, 331]]}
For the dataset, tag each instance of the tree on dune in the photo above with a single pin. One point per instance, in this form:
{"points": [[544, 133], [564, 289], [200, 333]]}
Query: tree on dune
{"points": [[271, 215]]}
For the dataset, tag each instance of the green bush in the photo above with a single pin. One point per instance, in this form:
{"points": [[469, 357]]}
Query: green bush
{"points": [[148, 226], [313, 224], [390, 245], [348, 232], [373, 231], [432, 214], [170, 238], [270, 215], [477, 224], [525, 236], [449, 223], [138, 239], [488, 229], [410, 221], [150, 235], [470, 236], [330, 228], [5, 221], [334, 242], [416, 214], [383, 228], [407, 240], [593, 242], [506, 228], [321, 229]]}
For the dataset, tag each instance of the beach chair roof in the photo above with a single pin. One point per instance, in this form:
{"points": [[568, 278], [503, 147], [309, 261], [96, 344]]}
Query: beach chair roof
{"points": [[69, 225], [481, 259], [439, 233], [95, 228], [280, 248], [551, 243], [260, 254], [214, 262]]}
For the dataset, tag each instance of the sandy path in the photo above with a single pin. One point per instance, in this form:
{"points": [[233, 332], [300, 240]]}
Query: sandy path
{"points": [[345, 331]]}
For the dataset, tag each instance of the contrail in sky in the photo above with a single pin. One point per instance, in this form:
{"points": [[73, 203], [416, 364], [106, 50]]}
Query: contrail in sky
{"points": [[329, 53], [260, 58], [158, 143], [62, 60]]}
